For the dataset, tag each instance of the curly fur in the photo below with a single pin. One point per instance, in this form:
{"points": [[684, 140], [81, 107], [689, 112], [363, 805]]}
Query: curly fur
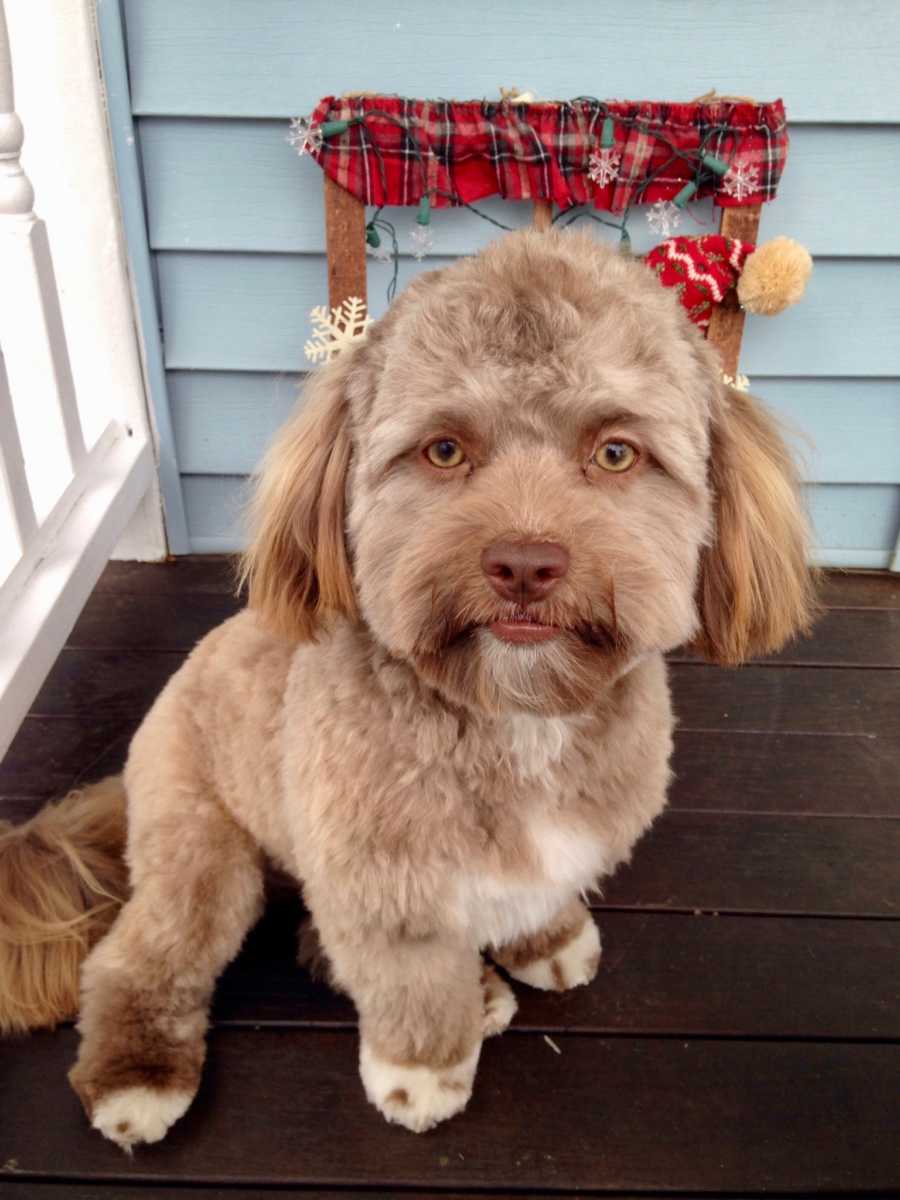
{"points": [[437, 792]]}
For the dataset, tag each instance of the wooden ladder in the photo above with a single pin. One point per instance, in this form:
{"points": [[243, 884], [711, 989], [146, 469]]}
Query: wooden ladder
{"points": [[345, 240]]}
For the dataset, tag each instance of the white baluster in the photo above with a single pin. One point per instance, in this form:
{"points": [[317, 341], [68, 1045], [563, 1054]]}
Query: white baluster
{"points": [[17, 520], [31, 327]]}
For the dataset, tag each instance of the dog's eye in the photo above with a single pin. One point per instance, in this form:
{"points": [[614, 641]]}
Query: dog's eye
{"points": [[445, 453], [615, 456]]}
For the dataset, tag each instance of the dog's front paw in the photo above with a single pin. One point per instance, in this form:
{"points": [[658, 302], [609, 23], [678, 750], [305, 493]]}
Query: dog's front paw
{"points": [[133, 1115], [416, 1096], [499, 1002], [568, 966]]}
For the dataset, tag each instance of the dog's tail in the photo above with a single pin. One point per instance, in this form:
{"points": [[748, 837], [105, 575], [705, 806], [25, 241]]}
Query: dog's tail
{"points": [[62, 880]]}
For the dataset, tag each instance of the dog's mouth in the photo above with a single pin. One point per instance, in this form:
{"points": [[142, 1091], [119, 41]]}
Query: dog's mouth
{"points": [[449, 630], [522, 628]]}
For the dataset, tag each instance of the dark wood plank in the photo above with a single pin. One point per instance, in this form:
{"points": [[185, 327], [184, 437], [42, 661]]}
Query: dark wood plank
{"points": [[105, 683], [24, 1188], [787, 699], [841, 637], [860, 589], [617, 1114], [786, 773], [210, 573], [150, 620], [728, 862], [19, 809], [50, 755], [661, 973]]}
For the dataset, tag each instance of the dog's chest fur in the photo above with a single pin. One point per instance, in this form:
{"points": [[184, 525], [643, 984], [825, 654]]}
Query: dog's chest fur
{"points": [[564, 857], [535, 744]]}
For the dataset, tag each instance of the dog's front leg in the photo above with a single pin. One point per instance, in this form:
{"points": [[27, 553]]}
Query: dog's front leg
{"points": [[421, 1005], [197, 888]]}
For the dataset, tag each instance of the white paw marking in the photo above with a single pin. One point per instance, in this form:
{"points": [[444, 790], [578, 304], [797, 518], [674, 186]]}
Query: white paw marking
{"points": [[139, 1114], [499, 1003], [571, 966], [416, 1097]]}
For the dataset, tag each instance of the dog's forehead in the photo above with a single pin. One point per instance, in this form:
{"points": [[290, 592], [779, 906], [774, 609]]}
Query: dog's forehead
{"points": [[537, 336], [577, 384]]}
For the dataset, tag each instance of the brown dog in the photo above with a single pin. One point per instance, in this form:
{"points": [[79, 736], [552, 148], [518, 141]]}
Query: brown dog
{"points": [[446, 712]]}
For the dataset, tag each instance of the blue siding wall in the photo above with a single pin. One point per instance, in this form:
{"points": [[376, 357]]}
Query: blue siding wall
{"points": [[235, 219]]}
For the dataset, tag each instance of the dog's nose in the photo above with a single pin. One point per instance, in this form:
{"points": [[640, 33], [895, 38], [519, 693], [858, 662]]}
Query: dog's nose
{"points": [[523, 571]]}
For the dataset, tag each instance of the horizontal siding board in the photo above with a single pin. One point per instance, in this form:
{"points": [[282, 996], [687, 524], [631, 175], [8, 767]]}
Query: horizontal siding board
{"points": [[855, 516], [251, 312], [852, 522], [848, 430], [237, 185], [276, 57], [224, 419]]}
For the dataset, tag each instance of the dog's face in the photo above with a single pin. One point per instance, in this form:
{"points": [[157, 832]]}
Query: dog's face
{"points": [[524, 450], [529, 497]]}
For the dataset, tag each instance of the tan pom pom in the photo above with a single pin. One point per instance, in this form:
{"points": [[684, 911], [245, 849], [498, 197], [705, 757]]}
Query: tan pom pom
{"points": [[774, 277]]}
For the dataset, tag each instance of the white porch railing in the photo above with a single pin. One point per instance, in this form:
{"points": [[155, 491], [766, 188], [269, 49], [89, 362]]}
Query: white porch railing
{"points": [[63, 506]]}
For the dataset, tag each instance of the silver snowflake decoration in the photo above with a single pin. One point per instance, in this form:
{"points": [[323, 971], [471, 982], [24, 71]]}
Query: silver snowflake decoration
{"points": [[603, 166], [422, 241], [663, 218], [741, 181], [336, 328], [305, 137]]}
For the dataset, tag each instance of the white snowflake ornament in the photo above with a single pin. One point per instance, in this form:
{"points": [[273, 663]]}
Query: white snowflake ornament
{"points": [[740, 383], [663, 218], [305, 137], [422, 241], [335, 329], [741, 181], [382, 253], [603, 166]]}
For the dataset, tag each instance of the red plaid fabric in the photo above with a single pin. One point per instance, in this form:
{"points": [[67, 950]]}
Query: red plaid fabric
{"points": [[461, 151]]}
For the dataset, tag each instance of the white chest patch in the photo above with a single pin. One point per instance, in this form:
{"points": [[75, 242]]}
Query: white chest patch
{"points": [[498, 909], [535, 744]]}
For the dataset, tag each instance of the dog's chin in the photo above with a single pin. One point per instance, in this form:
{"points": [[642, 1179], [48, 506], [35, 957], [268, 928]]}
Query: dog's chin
{"points": [[514, 665]]}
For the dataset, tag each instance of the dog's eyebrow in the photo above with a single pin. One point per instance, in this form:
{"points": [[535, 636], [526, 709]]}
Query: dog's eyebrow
{"points": [[397, 436], [601, 415]]}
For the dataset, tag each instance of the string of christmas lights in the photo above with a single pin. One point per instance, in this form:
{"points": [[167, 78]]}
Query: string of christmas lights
{"points": [[735, 176]]}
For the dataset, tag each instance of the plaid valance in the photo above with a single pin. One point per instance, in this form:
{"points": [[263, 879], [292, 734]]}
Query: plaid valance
{"points": [[398, 150]]}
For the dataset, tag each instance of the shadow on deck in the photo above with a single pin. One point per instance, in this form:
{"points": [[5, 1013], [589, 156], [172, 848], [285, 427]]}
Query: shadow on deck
{"points": [[742, 1037]]}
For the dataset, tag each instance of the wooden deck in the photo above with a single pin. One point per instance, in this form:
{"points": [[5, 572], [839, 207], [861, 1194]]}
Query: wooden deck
{"points": [[743, 1037]]}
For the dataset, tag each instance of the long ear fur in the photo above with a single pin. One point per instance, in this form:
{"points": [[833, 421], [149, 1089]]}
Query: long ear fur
{"points": [[756, 590], [296, 567]]}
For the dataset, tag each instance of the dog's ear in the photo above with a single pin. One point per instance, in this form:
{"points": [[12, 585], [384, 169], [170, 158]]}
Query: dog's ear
{"points": [[296, 566], [756, 590]]}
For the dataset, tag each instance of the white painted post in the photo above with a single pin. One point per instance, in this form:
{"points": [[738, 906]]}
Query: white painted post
{"points": [[31, 328]]}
